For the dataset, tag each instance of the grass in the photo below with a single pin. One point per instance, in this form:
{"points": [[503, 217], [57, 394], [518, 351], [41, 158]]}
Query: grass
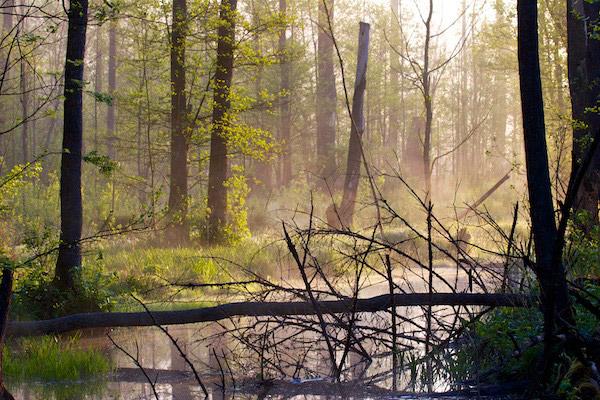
{"points": [[145, 269], [170, 305], [49, 359]]}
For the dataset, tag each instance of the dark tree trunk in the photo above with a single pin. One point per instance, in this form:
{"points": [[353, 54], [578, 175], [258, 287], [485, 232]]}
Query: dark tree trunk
{"points": [[5, 294], [284, 105], [550, 274], [326, 95], [112, 86], [217, 170], [357, 128], [577, 47], [178, 189], [589, 193], [71, 210]]}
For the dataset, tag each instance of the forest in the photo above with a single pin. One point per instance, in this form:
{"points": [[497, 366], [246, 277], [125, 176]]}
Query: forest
{"points": [[299, 199]]}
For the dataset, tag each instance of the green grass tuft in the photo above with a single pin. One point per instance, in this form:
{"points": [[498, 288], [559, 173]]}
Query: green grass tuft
{"points": [[50, 359]]}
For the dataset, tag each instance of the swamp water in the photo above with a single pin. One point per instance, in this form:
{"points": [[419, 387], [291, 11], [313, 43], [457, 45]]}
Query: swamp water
{"points": [[238, 351]]}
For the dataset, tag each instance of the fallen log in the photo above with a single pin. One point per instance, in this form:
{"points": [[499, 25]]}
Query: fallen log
{"points": [[483, 198], [259, 309]]}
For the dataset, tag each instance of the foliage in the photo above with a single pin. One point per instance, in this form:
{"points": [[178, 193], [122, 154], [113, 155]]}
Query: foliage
{"points": [[584, 247], [501, 343], [36, 295], [105, 165], [237, 186], [11, 183]]}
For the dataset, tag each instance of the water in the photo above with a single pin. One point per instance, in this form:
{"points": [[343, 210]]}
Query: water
{"points": [[243, 350]]}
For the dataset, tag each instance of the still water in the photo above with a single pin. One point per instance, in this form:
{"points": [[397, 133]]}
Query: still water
{"points": [[240, 352]]}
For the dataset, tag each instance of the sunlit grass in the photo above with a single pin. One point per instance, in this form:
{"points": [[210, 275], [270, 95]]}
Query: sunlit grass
{"points": [[50, 359], [133, 306]]}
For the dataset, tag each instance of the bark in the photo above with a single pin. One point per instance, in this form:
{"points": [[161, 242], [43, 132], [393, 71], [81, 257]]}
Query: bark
{"points": [[6, 140], [395, 124], [112, 86], [551, 275], [261, 309], [217, 170], [285, 120], [463, 154], [589, 193], [357, 128], [6, 286], [71, 211], [414, 150], [24, 108], [428, 104], [97, 82], [263, 168], [326, 95], [178, 185]]}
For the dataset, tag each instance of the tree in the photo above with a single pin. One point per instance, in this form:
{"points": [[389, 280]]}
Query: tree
{"points": [[326, 94], [178, 188], [217, 169], [285, 118], [6, 285], [549, 268], [71, 209], [112, 86], [355, 150], [583, 52], [425, 75]]}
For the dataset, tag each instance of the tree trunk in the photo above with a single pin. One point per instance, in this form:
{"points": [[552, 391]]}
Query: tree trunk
{"points": [[97, 82], [395, 124], [284, 103], [217, 170], [551, 276], [112, 86], [428, 103], [24, 105], [357, 128], [71, 210], [178, 187], [6, 286], [589, 193], [7, 26], [578, 87], [261, 309], [326, 95]]}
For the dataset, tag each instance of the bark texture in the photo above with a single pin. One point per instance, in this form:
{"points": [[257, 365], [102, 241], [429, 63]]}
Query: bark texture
{"points": [[217, 170], [71, 210], [178, 231], [551, 274], [352, 179], [263, 308], [6, 286]]}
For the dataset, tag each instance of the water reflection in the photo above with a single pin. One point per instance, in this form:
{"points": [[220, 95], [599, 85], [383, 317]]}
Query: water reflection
{"points": [[242, 349]]}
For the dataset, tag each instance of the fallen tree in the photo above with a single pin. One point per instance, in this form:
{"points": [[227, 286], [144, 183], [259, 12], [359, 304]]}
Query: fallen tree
{"points": [[260, 309]]}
